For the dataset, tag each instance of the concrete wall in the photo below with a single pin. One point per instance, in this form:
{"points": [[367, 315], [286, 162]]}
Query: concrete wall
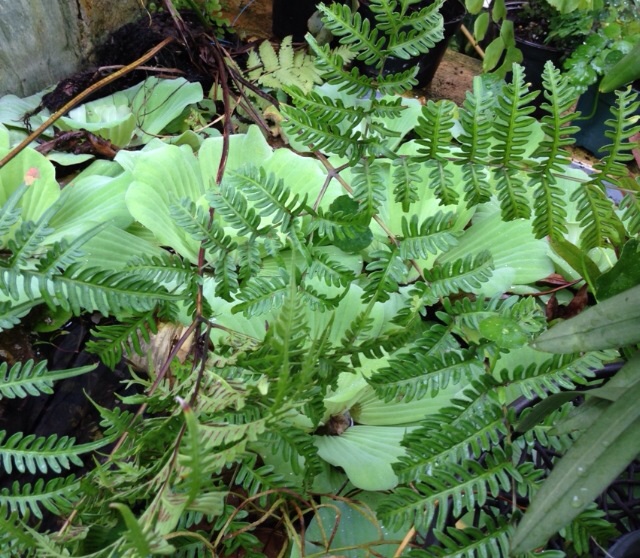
{"points": [[43, 41]]}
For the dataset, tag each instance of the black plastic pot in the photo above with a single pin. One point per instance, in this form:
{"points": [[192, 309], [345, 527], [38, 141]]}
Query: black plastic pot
{"points": [[453, 13], [290, 17], [627, 546], [598, 108], [534, 57]]}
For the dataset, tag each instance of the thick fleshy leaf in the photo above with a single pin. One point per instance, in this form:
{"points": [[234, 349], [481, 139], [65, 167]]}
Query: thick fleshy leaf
{"points": [[161, 178], [612, 323], [349, 529], [592, 463], [43, 190], [365, 453], [519, 258]]}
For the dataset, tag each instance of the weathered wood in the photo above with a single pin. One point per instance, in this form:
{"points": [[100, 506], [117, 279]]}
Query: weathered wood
{"points": [[44, 41]]}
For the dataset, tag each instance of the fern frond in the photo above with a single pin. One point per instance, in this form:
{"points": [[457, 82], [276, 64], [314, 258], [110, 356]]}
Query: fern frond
{"points": [[624, 124], [596, 215], [195, 220], [464, 275], [320, 134], [282, 69], [29, 378], [28, 240], [64, 253], [11, 313], [324, 108], [164, 268], [386, 272], [550, 215], [249, 259], [414, 376], [329, 270], [435, 443], [406, 178], [331, 65], [425, 30], [354, 31], [262, 294], [564, 371], [630, 204], [452, 487], [369, 185], [78, 288], [141, 540], [435, 128], [255, 479], [110, 342], [475, 118], [513, 120], [431, 236], [232, 206], [471, 542], [293, 444], [269, 195], [10, 212], [339, 224], [55, 496], [590, 524], [512, 194], [38, 453]]}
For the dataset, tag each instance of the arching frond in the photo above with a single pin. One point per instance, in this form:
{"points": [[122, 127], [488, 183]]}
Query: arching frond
{"points": [[54, 496]]}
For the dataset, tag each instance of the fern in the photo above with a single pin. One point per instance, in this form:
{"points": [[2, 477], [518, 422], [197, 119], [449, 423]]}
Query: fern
{"points": [[29, 378], [456, 488], [232, 206], [386, 271], [406, 179], [414, 376], [463, 275], [471, 542], [10, 212], [28, 239], [285, 68], [31, 453], [268, 194], [261, 295], [110, 342], [55, 496]]}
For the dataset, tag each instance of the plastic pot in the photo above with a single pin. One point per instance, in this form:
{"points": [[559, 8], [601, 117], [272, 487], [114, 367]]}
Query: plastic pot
{"points": [[598, 108], [534, 57], [627, 546], [453, 13], [290, 17]]}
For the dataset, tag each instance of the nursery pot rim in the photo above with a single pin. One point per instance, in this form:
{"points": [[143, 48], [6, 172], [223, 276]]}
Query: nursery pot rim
{"points": [[511, 6]]}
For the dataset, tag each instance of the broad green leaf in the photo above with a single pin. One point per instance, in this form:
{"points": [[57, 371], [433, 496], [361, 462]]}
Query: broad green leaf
{"points": [[505, 332], [612, 323], [349, 529], [31, 167], [580, 262], [592, 463], [365, 453], [161, 178], [623, 275]]}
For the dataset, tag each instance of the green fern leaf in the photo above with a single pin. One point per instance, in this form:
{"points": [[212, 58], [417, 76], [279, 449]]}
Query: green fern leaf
{"points": [[29, 378], [255, 479], [141, 540], [324, 108], [232, 206], [329, 270], [435, 442], [630, 203], [513, 120], [471, 542], [249, 259], [425, 30], [452, 487], [464, 275], [386, 272], [28, 240], [369, 185], [197, 222], [555, 374], [262, 294], [269, 195], [37, 453], [11, 313], [55, 496], [414, 376], [354, 31], [110, 342], [331, 65], [431, 236], [512, 194], [165, 268], [10, 212], [596, 214], [406, 179]]}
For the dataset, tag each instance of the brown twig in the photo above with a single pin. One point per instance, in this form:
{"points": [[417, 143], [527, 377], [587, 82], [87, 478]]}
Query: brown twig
{"points": [[472, 41], [80, 97]]}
